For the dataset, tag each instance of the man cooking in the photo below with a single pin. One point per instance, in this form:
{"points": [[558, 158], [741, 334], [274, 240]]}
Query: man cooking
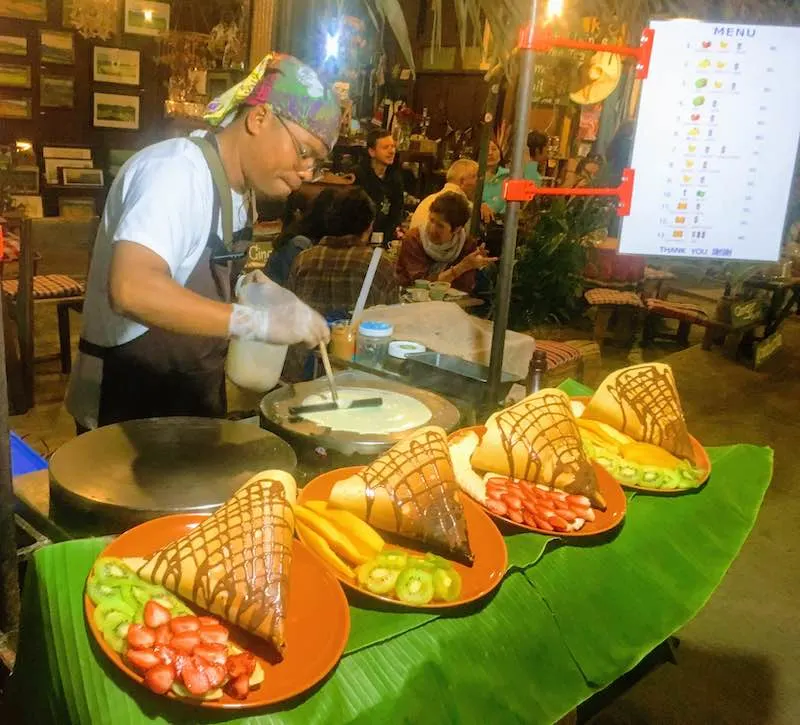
{"points": [[158, 312], [382, 180]]}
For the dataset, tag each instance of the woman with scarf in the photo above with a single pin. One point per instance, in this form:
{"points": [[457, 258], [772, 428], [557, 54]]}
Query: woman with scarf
{"points": [[441, 250]]}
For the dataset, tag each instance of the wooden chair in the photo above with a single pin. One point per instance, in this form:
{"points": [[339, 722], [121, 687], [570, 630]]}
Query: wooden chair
{"points": [[64, 248]]}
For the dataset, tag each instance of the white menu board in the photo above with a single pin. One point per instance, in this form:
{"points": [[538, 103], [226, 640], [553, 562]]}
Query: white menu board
{"points": [[716, 140]]}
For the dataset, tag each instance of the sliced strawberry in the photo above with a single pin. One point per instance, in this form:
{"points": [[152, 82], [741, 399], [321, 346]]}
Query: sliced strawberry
{"points": [[185, 642], [195, 678], [208, 621], [140, 637], [216, 675], [216, 654], [165, 653], [180, 662], [239, 687], [155, 615], [142, 659], [241, 664], [163, 634], [160, 678], [515, 516], [186, 623], [216, 634]]}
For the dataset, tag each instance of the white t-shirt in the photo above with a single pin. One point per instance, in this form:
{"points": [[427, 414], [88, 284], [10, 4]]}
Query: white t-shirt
{"points": [[422, 212], [163, 199]]}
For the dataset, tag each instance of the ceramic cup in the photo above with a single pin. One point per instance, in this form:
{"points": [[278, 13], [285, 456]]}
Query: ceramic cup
{"points": [[421, 283], [419, 295], [439, 290]]}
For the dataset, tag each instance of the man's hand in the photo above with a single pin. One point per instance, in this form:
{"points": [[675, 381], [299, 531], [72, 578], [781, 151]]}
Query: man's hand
{"points": [[477, 259], [273, 314], [487, 215]]}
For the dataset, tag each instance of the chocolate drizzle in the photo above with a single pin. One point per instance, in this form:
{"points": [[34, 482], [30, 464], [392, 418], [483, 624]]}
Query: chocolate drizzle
{"points": [[240, 557], [545, 436], [417, 477], [652, 398]]}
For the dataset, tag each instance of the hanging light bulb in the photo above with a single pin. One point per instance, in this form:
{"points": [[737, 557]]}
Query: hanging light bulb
{"points": [[332, 45], [555, 9]]}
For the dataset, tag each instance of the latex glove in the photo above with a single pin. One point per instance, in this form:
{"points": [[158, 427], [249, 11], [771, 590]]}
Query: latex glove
{"points": [[270, 313]]}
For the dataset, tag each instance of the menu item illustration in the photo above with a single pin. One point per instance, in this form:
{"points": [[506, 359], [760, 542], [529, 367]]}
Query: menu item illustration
{"points": [[740, 140]]}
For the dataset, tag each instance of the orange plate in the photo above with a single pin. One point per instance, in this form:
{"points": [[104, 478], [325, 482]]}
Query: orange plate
{"points": [[486, 572], [616, 503], [701, 456], [317, 625]]}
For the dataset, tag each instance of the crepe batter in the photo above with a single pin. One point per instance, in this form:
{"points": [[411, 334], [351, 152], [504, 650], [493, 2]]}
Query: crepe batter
{"points": [[398, 413]]}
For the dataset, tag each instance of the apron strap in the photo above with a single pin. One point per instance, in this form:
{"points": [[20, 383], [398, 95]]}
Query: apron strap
{"points": [[208, 148]]}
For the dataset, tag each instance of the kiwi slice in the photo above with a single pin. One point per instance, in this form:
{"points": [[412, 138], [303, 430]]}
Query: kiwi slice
{"points": [[101, 588], [393, 559], [115, 629], [652, 477], [628, 473], [446, 584], [111, 605], [414, 586], [438, 561], [109, 567], [377, 576]]}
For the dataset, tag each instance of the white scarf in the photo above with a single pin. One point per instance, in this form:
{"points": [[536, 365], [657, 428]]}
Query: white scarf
{"points": [[442, 255]]}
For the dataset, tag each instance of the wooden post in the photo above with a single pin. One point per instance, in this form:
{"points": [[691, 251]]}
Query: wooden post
{"points": [[9, 580]]}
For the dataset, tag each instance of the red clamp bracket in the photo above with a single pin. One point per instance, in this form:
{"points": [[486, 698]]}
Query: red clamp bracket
{"points": [[542, 39], [523, 190]]}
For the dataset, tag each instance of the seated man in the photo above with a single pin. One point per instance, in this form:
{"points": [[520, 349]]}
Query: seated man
{"points": [[462, 178], [328, 276], [382, 179], [442, 251]]}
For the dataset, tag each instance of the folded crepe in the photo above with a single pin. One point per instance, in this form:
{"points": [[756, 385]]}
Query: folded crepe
{"points": [[538, 440], [642, 401], [236, 563], [411, 491]]}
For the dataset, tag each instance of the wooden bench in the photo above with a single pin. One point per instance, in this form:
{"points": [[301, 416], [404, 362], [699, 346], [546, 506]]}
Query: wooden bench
{"points": [[619, 314]]}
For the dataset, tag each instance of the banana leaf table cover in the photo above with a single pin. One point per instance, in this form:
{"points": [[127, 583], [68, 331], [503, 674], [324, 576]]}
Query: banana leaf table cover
{"points": [[566, 621]]}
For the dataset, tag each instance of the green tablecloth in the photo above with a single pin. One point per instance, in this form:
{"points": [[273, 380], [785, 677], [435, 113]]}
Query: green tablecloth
{"points": [[568, 619]]}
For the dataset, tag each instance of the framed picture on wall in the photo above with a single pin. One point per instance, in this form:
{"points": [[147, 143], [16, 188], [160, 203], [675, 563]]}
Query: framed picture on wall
{"points": [[31, 206], [113, 110], [24, 9], [56, 91], [143, 17], [13, 75], [24, 180], [52, 167], [57, 46], [67, 152], [115, 65], [19, 108], [77, 207], [82, 177], [13, 45]]}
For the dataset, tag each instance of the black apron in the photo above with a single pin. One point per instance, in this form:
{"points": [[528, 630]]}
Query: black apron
{"points": [[163, 373]]}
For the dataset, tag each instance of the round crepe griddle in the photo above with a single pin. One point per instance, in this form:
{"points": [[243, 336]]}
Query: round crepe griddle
{"points": [[131, 472], [275, 409]]}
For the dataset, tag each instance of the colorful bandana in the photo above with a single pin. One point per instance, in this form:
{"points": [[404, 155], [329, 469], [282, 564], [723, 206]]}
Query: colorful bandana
{"points": [[290, 89]]}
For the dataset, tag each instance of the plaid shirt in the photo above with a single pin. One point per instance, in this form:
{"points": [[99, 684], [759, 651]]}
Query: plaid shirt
{"points": [[328, 277]]}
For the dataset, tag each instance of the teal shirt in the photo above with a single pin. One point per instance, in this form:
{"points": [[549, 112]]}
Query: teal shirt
{"points": [[493, 190]]}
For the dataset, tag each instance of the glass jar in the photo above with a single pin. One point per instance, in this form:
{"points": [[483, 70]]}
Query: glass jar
{"points": [[343, 340], [373, 343]]}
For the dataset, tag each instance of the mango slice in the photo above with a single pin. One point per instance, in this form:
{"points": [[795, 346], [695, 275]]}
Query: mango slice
{"points": [[358, 531], [649, 455], [320, 547], [338, 541]]}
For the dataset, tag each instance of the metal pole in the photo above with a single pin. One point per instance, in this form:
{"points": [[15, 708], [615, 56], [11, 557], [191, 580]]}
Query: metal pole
{"points": [[524, 92], [494, 79], [9, 581]]}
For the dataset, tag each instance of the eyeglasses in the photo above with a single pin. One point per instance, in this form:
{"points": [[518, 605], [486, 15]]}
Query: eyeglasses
{"points": [[306, 156]]}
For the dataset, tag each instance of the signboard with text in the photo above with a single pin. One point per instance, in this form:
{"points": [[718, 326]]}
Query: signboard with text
{"points": [[716, 140]]}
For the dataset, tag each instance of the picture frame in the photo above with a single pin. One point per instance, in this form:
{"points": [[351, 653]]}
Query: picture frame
{"points": [[24, 10], [13, 45], [57, 46], [114, 110], [115, 65], [77, 207], [143, 17], [66, 152], [32, 206], [16, 108], [52, 168], [23, 180], [56, 91], [87, 178], [15, 75]]}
